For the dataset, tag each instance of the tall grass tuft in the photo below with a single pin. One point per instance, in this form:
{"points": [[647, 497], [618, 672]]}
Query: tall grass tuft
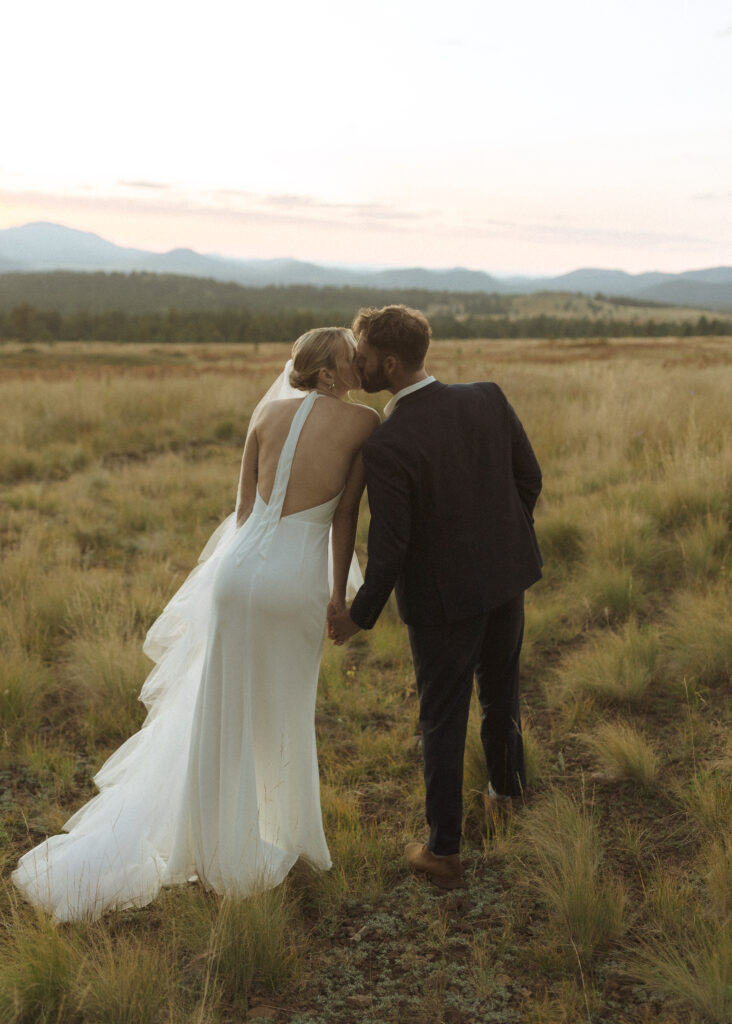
{"points": [[107, 673], [126, 981], [561, 539], [689, 493], [612, 593], [47, 760], [585, 907], [716, 868], [695, 967], [705, 547], [612, 667], [624, 753], [549, 622], [669, 895], [362, 853], [698, 637], [252, 942], [34, 618], [232, 944], [708, 802], [625, 536], [40, 973], [24, 680]]}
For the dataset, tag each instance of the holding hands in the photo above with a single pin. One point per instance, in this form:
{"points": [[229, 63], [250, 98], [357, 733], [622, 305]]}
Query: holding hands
{"points": [[341, 626]]}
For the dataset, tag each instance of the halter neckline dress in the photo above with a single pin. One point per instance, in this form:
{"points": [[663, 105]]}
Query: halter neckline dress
{"points": [[221, 782]]}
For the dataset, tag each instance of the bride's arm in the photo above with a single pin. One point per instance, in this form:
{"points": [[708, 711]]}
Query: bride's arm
{"points": [[343, 540], [248, 478]]}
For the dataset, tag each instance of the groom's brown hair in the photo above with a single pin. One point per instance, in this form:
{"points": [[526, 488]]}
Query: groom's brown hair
{"points": [[395, 330]]}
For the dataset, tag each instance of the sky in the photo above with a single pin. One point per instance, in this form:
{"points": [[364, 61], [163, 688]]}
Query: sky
{"points": [[531, 137]]}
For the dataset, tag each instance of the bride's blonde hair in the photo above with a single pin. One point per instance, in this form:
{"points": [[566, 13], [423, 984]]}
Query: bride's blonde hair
{"points": [[316, 349]]}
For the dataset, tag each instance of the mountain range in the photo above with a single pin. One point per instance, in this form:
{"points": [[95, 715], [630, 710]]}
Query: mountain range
{"points": [[43, 246]]}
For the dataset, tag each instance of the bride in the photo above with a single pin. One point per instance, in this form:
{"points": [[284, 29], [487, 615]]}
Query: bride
{"points": [[221, 782]]}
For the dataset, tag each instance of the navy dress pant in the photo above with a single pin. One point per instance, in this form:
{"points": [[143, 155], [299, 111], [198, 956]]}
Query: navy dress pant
{"points": [[446, 659]]}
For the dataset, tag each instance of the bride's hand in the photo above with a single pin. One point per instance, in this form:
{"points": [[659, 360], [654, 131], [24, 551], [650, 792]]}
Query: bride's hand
{"points": [[335, 605], [341, 627]]}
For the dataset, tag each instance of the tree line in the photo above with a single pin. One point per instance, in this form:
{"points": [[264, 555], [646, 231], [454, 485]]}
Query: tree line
{"points": [[67, 292], [26, 324]]}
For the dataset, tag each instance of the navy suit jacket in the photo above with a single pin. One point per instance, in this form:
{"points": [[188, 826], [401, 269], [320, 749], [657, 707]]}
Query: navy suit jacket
{"points": [[452, 482]]}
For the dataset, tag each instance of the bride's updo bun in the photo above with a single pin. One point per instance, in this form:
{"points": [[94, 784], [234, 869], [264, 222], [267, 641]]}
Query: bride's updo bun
{"points": [[316, 349]]}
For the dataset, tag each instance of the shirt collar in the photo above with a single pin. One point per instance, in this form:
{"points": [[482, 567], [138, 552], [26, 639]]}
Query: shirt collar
{"points": [[389, 407]]}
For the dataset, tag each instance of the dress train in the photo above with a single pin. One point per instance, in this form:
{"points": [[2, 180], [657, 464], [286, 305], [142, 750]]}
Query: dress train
{"points": [[221, 781]]}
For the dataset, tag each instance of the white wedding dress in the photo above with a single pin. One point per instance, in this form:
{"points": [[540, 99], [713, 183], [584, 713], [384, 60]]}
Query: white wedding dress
{"points": [[221, 782]]}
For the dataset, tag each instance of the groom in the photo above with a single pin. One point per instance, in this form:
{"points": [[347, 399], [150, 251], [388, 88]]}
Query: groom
{"points": [[452, 483]]}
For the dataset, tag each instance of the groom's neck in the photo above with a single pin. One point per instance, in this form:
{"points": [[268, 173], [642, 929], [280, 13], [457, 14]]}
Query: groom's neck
{"points": [[405, 380]]}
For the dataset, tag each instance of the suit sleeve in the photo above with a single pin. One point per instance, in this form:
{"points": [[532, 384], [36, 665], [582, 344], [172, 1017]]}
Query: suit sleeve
{"points": [[390, 503], [526, 469]]}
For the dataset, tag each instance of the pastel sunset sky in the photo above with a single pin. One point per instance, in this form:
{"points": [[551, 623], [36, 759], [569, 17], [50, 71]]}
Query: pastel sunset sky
{"points": [[530, 137]]}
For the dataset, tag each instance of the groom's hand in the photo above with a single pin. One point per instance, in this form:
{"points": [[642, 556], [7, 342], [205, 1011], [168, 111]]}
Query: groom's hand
{"points": [[334, 606], [341, 627]]}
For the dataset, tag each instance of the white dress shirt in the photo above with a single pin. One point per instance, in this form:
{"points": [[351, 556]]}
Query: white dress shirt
{"points": [[389, 407]]}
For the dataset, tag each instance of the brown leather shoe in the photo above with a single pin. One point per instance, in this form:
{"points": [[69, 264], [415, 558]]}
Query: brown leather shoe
{"points": [[445, 872], [498, 809]]}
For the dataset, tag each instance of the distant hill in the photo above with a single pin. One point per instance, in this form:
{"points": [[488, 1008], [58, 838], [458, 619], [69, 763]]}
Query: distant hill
{"points": [[702, 289], [39, 247], [686, 290], [608, 282], [42, 246]]}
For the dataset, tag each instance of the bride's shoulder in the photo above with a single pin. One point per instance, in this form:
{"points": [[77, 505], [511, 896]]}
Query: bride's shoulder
{"points": [[366, 417], [278, 409], [364, 411]]}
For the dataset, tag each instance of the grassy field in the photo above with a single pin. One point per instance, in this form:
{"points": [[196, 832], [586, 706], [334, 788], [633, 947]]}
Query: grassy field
{"points": [[571, 304], [607, 899]]}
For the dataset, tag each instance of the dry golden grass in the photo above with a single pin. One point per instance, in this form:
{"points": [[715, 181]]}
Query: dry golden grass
{"points": [[624, 753], [695, 968], [612, 667], [566, 853], [117, 462]]}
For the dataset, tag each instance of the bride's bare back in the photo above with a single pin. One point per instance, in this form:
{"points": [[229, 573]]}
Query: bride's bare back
{"points": [[326, 459]]}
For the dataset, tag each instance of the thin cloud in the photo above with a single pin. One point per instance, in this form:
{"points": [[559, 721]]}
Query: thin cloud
{"points": [[712, 197], [724, 33], [155, 185], [232, 193], [251, 212], [572, 234], [378, 211], [287, 199]]}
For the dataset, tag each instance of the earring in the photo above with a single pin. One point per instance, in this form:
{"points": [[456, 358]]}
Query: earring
{"points": [[332, 387]]}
